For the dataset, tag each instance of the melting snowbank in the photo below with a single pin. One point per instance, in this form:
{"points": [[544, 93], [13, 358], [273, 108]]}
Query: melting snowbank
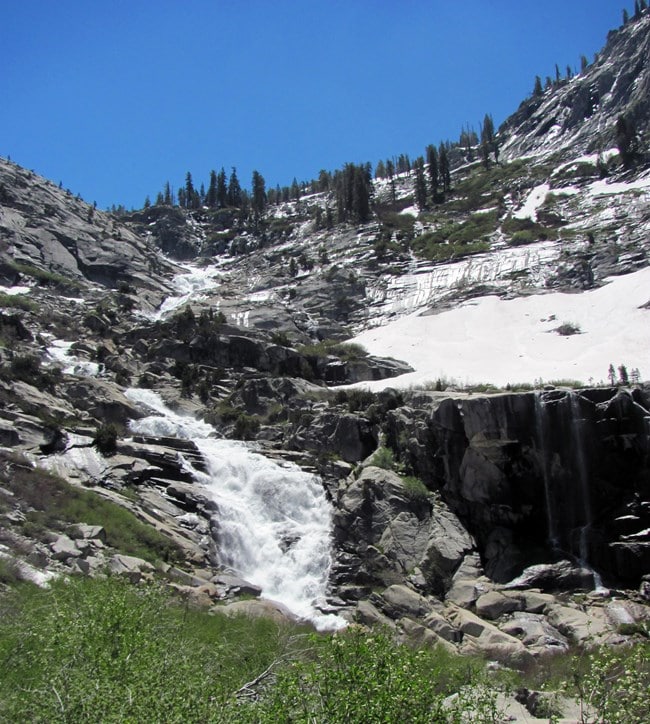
{"points": [[501, 341], [274, 520]]}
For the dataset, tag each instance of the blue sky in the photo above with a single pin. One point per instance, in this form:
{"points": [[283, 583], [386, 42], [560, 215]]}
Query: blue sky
{"points": [[115, 97]]}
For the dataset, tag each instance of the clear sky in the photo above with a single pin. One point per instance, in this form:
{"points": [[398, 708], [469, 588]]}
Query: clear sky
{"points": [[115, 97]]}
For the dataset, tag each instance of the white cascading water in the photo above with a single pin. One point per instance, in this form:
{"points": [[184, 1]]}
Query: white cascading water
{"points": [[190, 286], [274, 520]]}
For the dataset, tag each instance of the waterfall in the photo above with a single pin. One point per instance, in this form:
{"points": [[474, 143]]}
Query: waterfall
{"points": [[580, 459], [190, 286], [274, 520], [543, 432]]}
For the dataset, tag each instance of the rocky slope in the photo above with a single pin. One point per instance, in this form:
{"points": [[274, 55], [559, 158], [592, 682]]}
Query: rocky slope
{"points": [[510, 524]]}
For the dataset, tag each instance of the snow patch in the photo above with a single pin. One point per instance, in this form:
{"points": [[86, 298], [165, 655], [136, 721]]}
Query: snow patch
{"points": [[509, 341], [534, 200]]}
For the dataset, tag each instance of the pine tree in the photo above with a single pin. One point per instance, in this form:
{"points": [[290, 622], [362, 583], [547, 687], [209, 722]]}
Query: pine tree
{"points": [[558, 77], [584, 63], [211, 196], [623, 376], [295, 190], [234, 190], [222, 189], [390, 172], [445, 171], [189, 191], [432, 168], [611, 375], [637, 9], [626, 17], [625, 139], [420, 184], [258, 187], [488, 141], [538, 90], [168, 197], [380, 170]]}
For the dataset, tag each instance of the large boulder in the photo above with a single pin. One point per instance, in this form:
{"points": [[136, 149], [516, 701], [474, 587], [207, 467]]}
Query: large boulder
{"points": [[389, 534]]}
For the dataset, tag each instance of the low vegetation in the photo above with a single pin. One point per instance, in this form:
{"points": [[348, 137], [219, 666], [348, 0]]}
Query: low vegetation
{"points": [[51, 503], [105, 650]]}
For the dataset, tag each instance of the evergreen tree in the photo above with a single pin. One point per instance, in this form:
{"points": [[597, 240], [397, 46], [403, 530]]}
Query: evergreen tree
{"points": [[278, 194], [623, 376], [538, 90], [637, 10], [211, 196], [222, 189], [488, 141], [234, 190], [168, 198], [445, 171], [380, 170], [390, 172], [569, 72], [432, 168], [558, 77], [295, 190], [420, 184], [644, 6], [189, 191], [324, 180], [258, 187], [160, 199], [611, 374], [584, 63], [182, 197], [626, 17], [625, 139]]}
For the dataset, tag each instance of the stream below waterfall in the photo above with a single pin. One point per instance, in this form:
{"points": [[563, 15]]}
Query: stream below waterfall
{"points": [[273, 520]]}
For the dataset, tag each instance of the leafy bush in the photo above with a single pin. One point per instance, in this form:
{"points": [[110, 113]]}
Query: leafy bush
{"points": [[357, 677]]}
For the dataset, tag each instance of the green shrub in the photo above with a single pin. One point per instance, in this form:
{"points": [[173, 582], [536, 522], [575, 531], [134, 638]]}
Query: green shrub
{"points": [[105, 439], [415, 489], [357, 677], [384, 458]]}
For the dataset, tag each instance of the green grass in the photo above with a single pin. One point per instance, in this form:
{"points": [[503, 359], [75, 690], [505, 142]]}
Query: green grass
{"points": [[18, 301], [89, 650], [53, 504], [103, 650], [44, 277]]}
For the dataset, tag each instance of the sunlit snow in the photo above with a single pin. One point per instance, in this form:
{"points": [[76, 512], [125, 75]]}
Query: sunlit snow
{"points": [[508, 341]]}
